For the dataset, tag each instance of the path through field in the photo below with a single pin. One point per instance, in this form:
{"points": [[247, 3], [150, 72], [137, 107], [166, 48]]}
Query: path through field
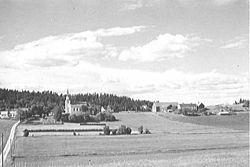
{"points": [[8, 143]]}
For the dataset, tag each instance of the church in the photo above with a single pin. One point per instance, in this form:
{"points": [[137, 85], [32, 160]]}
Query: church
{"points": [[75, 108]]}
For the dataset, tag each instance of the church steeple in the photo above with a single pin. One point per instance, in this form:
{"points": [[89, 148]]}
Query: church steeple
{"points": [[67, 103]]}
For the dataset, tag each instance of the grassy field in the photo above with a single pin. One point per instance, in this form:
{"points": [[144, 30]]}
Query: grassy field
{"points": [[5, 127], [237, 122], [171, 143], [214, 158]]}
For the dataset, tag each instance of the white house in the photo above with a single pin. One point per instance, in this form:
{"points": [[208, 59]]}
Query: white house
{"points": [[13, 113], [4, 114], [164, 106], [8, 114]]}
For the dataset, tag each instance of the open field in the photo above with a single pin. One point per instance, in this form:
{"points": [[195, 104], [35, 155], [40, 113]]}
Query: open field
{"points": [[237, 122], [210, 158], [5, 127], [172, 143]]}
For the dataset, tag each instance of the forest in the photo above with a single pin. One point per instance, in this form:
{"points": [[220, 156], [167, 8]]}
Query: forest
{"points": [[44, 102]]}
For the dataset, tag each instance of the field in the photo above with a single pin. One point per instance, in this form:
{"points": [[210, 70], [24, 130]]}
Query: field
{"points": [[172, 143], [5, 127], [237, 122]]}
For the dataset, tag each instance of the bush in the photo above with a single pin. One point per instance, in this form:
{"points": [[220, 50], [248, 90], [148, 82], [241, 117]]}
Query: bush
{"points": [[100, 117], [114, 131], [147, 131], [26, 133], [72, 118], [88, 118], [140, 129], [128, 130], [122, 130], [109, 117], [105, 117], [65, 117], [106, 130]]}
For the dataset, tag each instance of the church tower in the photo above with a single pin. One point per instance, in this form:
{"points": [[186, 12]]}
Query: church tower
{"points": [[67, 103]]}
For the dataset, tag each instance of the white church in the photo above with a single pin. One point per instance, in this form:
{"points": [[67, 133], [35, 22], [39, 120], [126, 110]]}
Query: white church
{"points": [[74, 108]]}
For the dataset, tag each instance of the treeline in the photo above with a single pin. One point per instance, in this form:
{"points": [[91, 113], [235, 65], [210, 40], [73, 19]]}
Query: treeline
{"points": [[117, 103], [44, 102], [245, 101]]}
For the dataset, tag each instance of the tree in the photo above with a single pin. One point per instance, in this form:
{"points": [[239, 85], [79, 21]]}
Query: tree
{"points": [[246, 104], [106, 130], [169, 107], [57, 110]]}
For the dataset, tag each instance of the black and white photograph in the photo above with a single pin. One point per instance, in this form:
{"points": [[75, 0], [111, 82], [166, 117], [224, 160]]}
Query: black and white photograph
{"points": [[124, 83]]}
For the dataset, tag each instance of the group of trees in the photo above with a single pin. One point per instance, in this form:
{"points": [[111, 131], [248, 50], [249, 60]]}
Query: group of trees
{"points": [[42, 103], [245, 101], [79, 118], [117, 103]]}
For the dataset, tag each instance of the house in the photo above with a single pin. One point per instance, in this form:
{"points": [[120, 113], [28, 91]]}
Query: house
{"points": [[4, 114], [237, 107], [79, 108], [102, 109], [188, 107], [13, 113], [9, 114], [109, 109], [164, 106], [223, 112]]}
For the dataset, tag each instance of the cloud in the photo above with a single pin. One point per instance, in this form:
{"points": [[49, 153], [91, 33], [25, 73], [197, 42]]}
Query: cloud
{"points": [[119, 31], [224, 2], [210, 87], [236, 43], [164, 46], [67, 49], [137, 4], [60, 62], [205, 2]]}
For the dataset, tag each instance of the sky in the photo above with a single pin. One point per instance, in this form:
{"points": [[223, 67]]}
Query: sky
{"points": [[166, 50]]}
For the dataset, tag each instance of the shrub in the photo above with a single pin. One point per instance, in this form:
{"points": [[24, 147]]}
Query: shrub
{"points": [[72, 118], [105, 117], [109, 117], [122, 130], [106, 130], [114, 131], [77, 118], [140, 129], [147, 131], [57, 110], [65, 117], [128, 130], [26, 133], [100, 117]]}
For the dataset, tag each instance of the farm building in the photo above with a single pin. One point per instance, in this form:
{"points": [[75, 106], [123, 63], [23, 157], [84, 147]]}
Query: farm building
{"points": [[237, 107], [109, 110], [4, 114], [8, 114], [164, 106], [223, 113], [188, 107]]}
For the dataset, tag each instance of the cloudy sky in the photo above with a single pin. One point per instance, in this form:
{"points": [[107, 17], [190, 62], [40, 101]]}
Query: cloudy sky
{"points": [[167, 50]]}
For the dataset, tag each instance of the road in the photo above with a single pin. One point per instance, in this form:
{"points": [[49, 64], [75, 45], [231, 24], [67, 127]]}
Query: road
{"points": [[8, 143]]}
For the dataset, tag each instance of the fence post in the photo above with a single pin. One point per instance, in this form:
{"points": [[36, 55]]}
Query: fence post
{"points": [[2, 149]]}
